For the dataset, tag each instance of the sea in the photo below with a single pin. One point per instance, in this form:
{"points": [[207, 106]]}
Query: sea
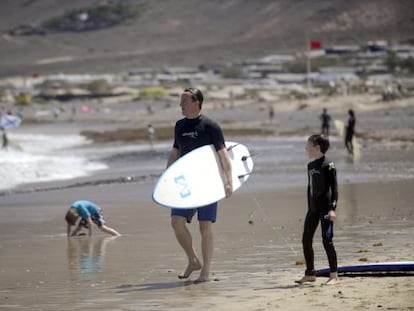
{"points": [[280, 162], [32, 158]]}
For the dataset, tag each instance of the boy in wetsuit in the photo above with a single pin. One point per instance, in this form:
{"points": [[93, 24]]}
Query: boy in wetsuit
{"points": [[89, 213], [322, 199]]}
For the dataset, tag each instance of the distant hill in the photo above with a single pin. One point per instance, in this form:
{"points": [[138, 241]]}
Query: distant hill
{"points": [[192, 32]]}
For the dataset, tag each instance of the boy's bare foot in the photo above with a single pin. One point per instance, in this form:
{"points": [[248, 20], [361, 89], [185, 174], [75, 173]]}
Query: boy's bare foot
{"points": [[333, 279], [306, 279], [190, 269]]}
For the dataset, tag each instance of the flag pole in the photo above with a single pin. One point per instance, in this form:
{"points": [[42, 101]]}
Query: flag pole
{"points": [[308, 66]]}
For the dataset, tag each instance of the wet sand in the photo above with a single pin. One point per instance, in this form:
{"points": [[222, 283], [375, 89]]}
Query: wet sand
{"points": [[257, 246], [257, 235]]}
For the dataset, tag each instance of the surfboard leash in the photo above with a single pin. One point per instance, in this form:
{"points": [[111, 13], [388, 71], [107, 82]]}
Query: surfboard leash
{"points": [[275, 230], [243, 159]]}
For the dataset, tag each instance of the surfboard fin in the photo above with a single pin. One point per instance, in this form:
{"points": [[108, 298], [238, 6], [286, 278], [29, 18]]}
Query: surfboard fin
{"points": [[231, 147], [244, 158], [244, 175]]}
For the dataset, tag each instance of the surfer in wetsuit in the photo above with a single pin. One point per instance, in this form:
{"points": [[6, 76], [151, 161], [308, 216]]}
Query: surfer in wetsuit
{"points": [[322, 198], [5, 140], [191, 132], [326, 120], [349, 131]]}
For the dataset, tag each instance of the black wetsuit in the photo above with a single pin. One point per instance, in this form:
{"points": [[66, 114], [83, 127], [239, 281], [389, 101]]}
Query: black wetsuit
{"points": [[322, 197], [326, 119], [193, 133], [349, 134]]}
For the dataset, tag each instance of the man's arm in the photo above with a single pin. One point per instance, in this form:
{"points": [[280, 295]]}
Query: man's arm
{"points": [[226, 166], [69, 229], [174, 155]]}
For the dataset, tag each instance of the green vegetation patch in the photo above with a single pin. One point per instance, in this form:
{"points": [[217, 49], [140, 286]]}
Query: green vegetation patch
{"points": [[94, 18], [153, 92]]}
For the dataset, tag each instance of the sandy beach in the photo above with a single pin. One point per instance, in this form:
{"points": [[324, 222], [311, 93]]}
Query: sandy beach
{"points": [[258, 251]]}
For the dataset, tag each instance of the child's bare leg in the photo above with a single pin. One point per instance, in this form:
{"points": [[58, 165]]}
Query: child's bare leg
{"points": [[333, 278], [109, 230]]}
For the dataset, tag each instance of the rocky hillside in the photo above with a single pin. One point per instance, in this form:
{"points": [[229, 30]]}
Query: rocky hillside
{"points": [[190, 32]]}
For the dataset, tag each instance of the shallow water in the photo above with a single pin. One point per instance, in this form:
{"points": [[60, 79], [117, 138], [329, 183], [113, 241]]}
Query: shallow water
{"points": [[279, 161], [257, 242]]}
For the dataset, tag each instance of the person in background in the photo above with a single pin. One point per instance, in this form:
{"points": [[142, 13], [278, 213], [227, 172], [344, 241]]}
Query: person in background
{"points": [[322, 199], [271, 113], [191, 132], [151, 134], [350, 131], [89, 213], [5, 140], [326, 120]]}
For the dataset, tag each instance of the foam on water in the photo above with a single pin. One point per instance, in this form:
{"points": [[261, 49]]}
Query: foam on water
{"points": [[38, 158]]}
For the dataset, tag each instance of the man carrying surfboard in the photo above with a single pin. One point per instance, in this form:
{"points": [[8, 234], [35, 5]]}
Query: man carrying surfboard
{"points": [[193, 131]]}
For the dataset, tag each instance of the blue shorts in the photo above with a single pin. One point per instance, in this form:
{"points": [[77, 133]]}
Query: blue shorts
{"points": [[204, 213], [97, 219]]}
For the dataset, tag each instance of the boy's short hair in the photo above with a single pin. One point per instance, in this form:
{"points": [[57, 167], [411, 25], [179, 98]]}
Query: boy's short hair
{"points": [[320, 140], [71, 217]]}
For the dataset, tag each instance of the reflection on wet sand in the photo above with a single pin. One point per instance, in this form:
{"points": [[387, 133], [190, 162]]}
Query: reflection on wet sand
{"points": [[86, 256]]}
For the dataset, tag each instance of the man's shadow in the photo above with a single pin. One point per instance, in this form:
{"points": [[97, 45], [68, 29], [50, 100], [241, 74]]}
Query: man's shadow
{"points": [[126, 288]]}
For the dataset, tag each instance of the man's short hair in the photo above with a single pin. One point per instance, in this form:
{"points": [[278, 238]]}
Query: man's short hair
{"points": [[195, 95]]}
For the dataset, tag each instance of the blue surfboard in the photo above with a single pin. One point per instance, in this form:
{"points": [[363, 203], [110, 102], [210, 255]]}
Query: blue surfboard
{"points": [[379, 268]]}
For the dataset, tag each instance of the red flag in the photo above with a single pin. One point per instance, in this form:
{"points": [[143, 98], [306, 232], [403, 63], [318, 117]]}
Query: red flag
{"points": [[314, 45]]}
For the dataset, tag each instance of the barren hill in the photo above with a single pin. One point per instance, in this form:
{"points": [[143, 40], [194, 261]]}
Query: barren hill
{"points": [[191, 32]]}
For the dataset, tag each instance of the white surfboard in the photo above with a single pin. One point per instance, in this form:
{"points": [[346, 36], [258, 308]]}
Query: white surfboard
{"points": [[196, 179]]}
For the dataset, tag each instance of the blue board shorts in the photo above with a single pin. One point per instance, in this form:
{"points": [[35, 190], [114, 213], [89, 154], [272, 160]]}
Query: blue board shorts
{"points": [[204, 213], [97, 219]]}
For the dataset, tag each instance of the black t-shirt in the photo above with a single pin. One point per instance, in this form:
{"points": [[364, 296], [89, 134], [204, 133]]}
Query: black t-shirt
{"points": [[322, 185], [193, 133]]}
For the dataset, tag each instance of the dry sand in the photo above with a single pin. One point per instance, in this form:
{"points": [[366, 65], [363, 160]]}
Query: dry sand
{"points": [[257, 246]]}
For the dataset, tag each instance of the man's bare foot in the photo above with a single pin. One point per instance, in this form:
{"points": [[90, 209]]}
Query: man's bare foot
{"points": [[306, 279], [190, 269], [333, 279], [202, 280]]}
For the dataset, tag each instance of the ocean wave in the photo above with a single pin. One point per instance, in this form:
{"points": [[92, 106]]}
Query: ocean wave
{"points": [[34, 158]]}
